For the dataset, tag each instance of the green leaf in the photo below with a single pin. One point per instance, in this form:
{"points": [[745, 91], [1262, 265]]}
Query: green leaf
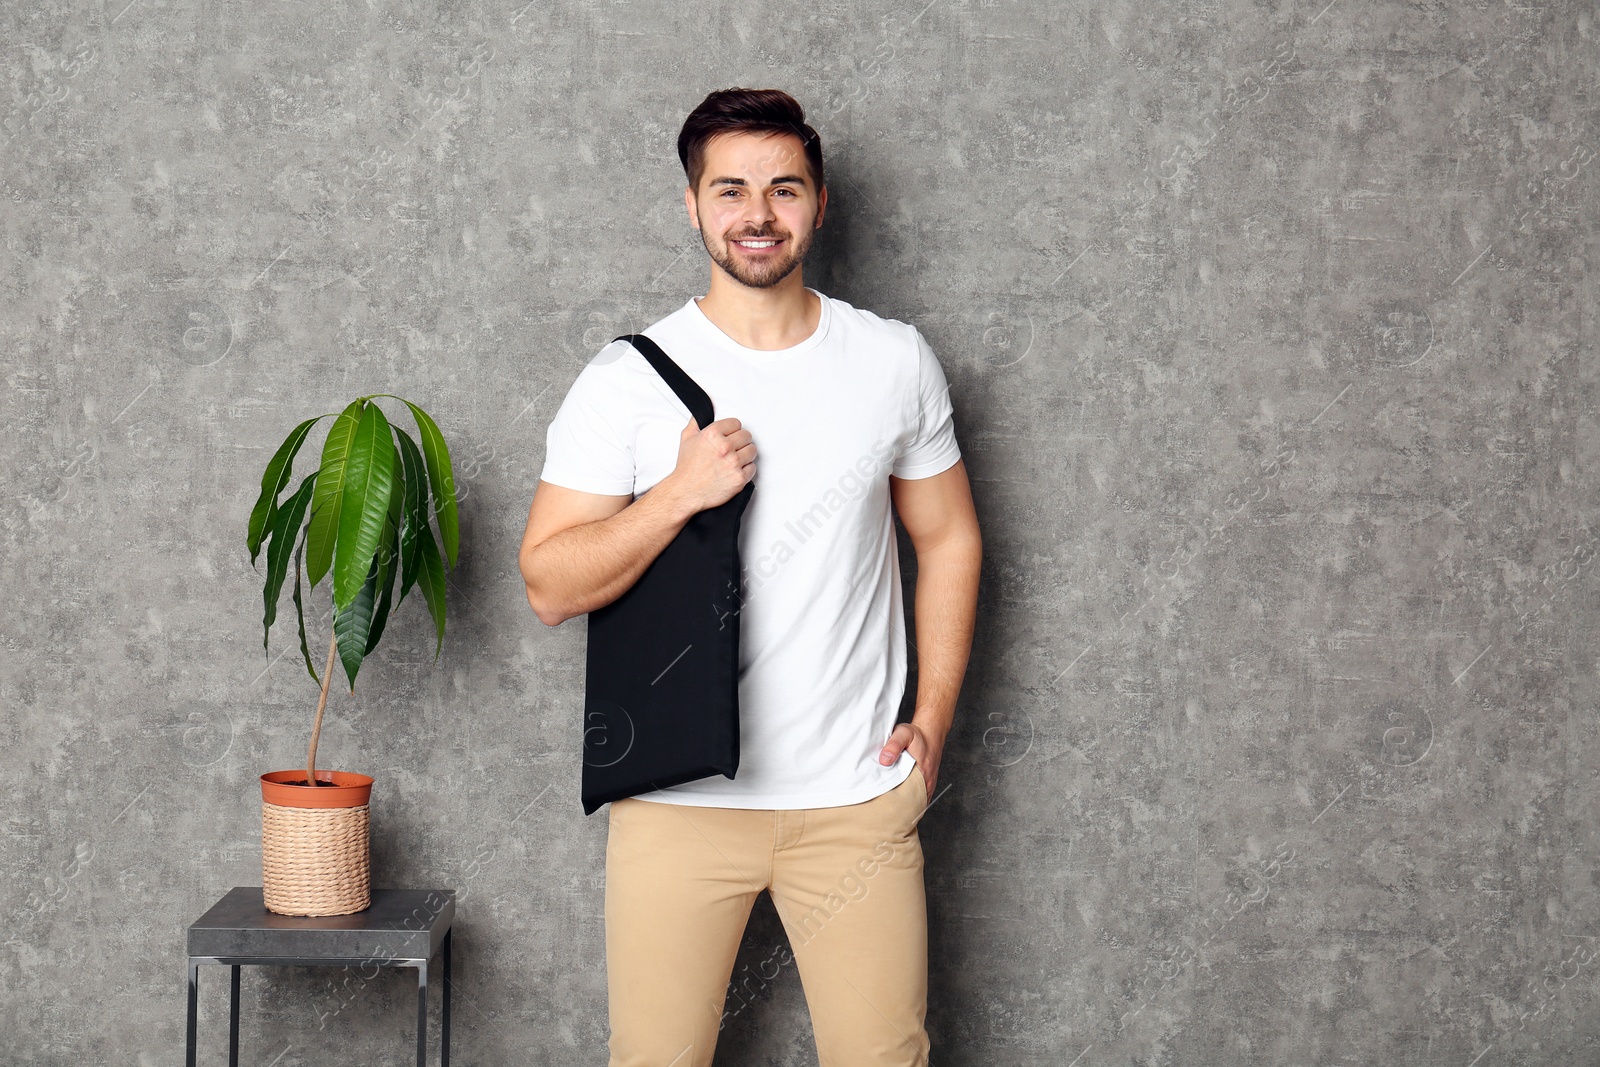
{"points": [[393, 520], [276, 477], [437, 453], [368, 485], [285, 528], [431, 579], [352, 624], [389, 564], [326, 505], [415, 511], [300, 613]]}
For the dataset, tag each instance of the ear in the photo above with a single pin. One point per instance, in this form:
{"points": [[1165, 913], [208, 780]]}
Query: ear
{"points": [[822, 205], [690, 205]]}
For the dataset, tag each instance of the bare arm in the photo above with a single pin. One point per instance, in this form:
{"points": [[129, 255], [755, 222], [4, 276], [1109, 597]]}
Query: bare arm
{"points": [[942, 522], [573, 569], [583, 550]]}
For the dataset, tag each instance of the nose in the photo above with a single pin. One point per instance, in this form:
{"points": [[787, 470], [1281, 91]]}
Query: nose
{"points": [[758, 212]]}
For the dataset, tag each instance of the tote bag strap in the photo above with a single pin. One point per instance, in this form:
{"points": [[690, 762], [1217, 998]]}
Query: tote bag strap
{"points": [[694, 398]]}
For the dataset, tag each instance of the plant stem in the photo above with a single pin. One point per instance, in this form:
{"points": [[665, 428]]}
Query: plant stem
{"points": [[316, 727]]}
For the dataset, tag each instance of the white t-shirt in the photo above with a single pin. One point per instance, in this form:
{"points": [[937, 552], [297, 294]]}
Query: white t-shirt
{"points": [[822, 642]]}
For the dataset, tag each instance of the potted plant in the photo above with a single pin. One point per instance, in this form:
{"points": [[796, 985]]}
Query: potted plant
{"points": [[362, 518]]}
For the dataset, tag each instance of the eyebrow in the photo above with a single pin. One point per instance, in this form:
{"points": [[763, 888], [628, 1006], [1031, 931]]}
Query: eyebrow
{"points": [[783, 179]]}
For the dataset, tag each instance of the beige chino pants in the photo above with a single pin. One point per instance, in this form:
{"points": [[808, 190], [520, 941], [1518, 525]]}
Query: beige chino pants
{"points": [[847, 884]]}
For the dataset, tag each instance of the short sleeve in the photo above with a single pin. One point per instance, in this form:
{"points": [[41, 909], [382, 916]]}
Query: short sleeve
{"points": [[932, 449], [584, 450]]}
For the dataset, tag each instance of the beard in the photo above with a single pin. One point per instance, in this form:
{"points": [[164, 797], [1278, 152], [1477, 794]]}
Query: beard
{"points": [[763, 273]]}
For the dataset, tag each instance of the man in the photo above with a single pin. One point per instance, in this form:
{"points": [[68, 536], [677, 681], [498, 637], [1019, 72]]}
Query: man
{"points": [[850, 412]]}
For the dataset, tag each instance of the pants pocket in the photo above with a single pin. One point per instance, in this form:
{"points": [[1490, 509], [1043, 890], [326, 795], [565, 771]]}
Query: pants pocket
{"points": [[922, 787]]}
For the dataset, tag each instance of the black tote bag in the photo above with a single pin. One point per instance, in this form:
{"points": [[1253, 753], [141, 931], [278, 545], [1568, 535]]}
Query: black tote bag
{"points": [[661, 695]]}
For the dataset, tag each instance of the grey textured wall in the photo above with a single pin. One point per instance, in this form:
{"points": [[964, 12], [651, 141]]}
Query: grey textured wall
{"points": [[1270, 334]]}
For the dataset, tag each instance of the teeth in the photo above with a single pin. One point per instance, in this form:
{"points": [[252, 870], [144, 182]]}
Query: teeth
{"points": [[756, 244]]}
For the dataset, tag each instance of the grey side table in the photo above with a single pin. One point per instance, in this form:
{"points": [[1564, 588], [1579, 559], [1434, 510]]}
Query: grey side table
{"points": [[402, 928]]}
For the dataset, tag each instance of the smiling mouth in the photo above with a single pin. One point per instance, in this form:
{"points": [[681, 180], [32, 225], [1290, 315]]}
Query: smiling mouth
{"points": [[757, 244]]}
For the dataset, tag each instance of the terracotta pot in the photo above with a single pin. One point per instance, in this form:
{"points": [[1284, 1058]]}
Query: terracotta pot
{"points": [[315, 851], [348, 790]]}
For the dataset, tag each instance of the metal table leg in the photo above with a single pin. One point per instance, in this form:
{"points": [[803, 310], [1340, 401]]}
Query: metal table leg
{"points": [[194, 1007], [233, 1021], [422, 1014], [444, 1041]]}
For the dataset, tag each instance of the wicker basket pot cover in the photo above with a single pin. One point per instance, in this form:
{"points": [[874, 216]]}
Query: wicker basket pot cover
{"points": [[315, 853]]}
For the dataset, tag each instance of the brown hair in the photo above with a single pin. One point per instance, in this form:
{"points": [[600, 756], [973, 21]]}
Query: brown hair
{"points": [[745, 111]]}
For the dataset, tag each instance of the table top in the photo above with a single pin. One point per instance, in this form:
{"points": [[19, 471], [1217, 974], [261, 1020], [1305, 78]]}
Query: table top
{"points": [[400, 924]]}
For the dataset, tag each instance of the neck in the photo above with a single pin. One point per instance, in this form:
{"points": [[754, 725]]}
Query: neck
{"points": [[764, 319]]}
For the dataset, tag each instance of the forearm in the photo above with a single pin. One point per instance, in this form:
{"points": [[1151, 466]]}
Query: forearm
{"points": [[586, 567], [946, 609]]}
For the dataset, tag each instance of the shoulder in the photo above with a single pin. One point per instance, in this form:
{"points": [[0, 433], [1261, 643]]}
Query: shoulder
{"points": [[851, 316], [619, 378], [614, 382], [875, 332], [620, 362], [618, 359]]}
